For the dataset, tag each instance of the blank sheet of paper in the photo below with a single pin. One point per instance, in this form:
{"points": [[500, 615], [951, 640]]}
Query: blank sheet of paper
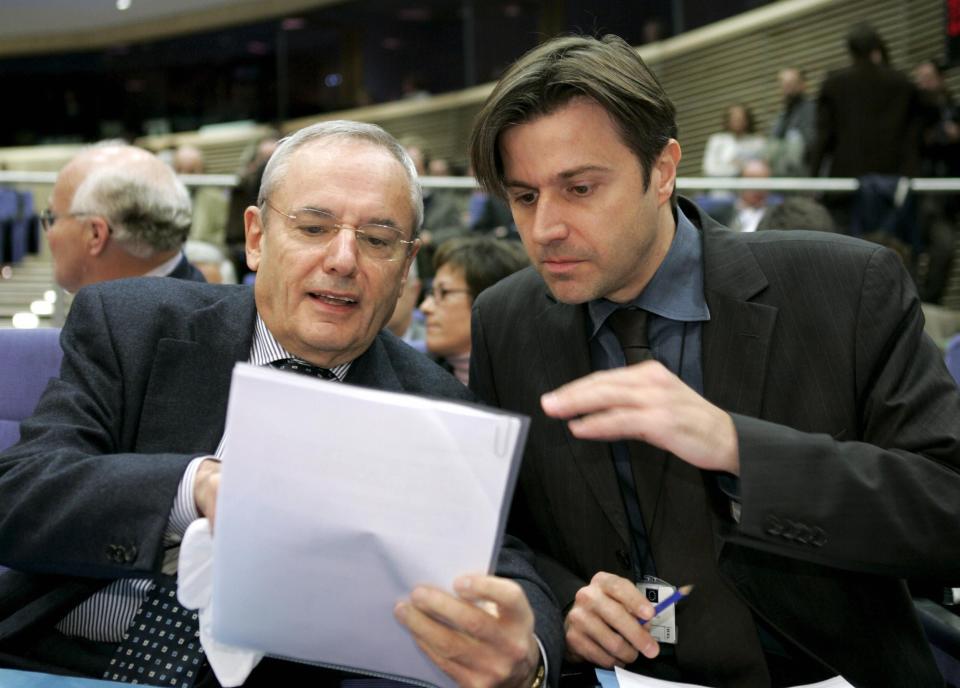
{"points": [[336, 501]]}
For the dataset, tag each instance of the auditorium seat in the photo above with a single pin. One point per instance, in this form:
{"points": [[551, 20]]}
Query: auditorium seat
{"points": [[28, 359], [953, 357]]}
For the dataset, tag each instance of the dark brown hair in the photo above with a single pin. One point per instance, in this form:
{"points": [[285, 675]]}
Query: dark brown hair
{"points": [[483, 260], [606, 70]]}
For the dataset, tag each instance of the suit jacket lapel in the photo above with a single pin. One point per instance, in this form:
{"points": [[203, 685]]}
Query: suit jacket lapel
{"points": [[221, 335], [373, 369], [565, 353], [736, 340]]}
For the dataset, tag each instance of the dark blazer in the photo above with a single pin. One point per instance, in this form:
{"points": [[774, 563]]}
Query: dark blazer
{"points": [[867, 123], [143, 389], [185, 270], [849, 437]]}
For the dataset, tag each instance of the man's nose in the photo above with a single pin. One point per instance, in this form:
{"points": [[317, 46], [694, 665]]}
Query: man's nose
{"points": [[342, 253], [549, 223]]}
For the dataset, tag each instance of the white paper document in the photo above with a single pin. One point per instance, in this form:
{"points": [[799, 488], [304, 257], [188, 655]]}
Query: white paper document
{"points": [[336, 501], [628, 679]]}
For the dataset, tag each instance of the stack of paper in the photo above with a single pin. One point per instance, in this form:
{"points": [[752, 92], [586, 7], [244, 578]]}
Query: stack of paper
{"points": [[336, 501]]}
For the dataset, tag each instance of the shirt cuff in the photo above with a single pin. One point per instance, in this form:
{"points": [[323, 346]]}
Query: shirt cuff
{"points": [[543, 656], [184, 510]]}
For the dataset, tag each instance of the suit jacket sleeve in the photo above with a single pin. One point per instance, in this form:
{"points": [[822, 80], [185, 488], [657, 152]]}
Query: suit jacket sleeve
{"points": [[77, 499], [882, 497], [516, 562]]}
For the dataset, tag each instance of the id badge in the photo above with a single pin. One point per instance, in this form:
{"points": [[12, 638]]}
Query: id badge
{"points": [[663, 627]]}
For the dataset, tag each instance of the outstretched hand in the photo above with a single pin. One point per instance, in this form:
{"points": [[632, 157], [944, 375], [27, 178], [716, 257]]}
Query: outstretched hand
{"points": [[649, 403]]}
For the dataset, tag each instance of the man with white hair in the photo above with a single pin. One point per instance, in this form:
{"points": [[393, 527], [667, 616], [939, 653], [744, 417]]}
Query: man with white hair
{"points": [[123, 451], [117, 211]]}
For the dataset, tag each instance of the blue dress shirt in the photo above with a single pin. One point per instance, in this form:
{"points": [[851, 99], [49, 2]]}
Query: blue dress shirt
{"points": [[677, 310]]}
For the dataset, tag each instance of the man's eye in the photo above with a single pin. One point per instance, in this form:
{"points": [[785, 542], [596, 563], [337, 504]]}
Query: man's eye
{"points": [[580, 189], [375, 241], [525, 198], [315, 230]]}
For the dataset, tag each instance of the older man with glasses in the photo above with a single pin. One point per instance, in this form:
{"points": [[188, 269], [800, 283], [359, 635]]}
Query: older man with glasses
{"points": [[117, 211], [122, 453]]}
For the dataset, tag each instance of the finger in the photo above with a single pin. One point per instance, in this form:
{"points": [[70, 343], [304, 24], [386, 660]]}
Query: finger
{"points": [[625, 592], [509, 598], [601, 390], [460, 617], [617, 423], [581, 648], [616, 631], [592, 637], [460, 674], [447, 648]]}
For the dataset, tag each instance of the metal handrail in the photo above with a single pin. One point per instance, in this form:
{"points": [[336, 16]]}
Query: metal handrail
{"points": [[798, 184]]}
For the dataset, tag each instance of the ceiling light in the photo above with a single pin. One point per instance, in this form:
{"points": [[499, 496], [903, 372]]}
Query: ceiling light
{"points": [[123, 5]]}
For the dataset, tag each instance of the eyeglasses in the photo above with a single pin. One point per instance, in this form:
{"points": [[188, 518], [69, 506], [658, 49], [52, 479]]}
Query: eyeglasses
{"points": [[440, 292], [48, 218], [317, 228]]}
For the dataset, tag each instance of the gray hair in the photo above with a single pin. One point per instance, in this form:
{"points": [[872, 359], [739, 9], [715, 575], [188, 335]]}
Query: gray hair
{"points": [[148, 213], [341, 129]]}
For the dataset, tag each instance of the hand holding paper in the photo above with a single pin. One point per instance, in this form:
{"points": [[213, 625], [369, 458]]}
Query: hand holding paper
{"points": [[336, 501], [483, 635]]}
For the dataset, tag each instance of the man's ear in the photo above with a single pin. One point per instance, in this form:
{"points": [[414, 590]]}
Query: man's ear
{"points": [[665, 177], [253, 228], [96, 234]]}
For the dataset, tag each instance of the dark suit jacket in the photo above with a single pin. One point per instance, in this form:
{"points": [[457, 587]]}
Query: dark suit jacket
{"points": [[185, 270], [867, 122], [143, 389], [849, 439]]}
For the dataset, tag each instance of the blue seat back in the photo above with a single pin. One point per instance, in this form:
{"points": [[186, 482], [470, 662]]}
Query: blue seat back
{"points": [[28, 359], [953, 357]]}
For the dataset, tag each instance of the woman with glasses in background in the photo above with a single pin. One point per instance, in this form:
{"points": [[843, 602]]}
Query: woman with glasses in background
{"points": [[464, 268]]}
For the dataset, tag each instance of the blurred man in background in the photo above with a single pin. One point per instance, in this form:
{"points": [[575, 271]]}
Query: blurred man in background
{"points": [[117, 211]]}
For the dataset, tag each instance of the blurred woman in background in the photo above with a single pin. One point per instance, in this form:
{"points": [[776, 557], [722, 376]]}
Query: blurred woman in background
{"points": [[464, 268]]}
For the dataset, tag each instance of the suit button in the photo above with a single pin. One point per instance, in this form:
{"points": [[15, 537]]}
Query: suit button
{"points": [[818, 537], [115, 553], [130, 554], [623, 558]]}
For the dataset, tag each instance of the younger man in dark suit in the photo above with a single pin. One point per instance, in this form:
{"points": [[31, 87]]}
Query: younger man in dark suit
{"points": [[122, 453], [788, 439]]}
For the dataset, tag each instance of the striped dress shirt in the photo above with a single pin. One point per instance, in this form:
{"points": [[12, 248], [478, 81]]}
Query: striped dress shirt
{"points": [[106, 614]]}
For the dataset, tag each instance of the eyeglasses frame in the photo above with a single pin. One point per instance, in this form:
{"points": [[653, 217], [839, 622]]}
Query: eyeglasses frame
{"points": [[48, 218], [441, 297], [408, 243]]}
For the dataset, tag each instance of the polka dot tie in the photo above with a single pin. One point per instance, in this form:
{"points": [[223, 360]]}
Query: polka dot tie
{"points": [[297, 365], [162, 646]]}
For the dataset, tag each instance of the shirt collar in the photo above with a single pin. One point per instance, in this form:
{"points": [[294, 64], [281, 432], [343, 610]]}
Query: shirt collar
{"points": [[675, 291], [265, 349], [166, 267]]}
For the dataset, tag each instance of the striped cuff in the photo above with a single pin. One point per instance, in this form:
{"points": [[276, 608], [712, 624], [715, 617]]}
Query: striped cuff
{"points": [[184, 510]]}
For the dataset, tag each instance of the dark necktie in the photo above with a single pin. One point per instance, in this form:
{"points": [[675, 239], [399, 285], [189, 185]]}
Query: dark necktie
{"points": [[162, 645], [676, 510], [630, 328], [298, 365]]}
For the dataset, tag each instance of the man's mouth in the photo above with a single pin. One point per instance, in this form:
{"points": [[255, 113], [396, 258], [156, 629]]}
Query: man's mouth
{"points": [[333, 299]]}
